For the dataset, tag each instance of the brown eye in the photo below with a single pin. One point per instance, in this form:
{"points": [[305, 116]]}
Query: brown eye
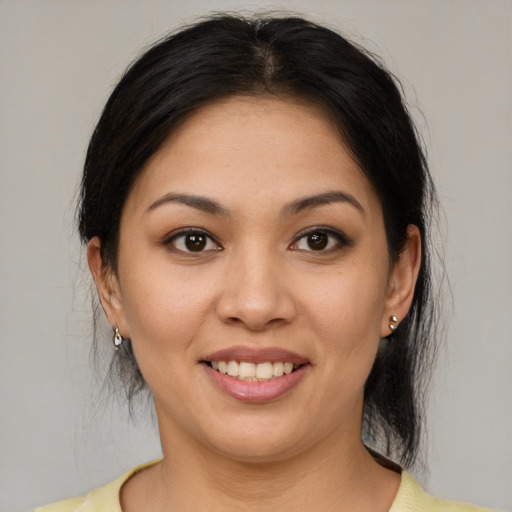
{"points": [[322, 240], [317, 241], [195, 243]]}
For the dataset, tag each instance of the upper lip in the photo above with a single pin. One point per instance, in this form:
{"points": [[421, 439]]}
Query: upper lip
{"points": [[256, 355]]}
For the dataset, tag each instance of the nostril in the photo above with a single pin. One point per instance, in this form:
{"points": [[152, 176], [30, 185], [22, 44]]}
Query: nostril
{"points": [[257, 325], [256, 303]]}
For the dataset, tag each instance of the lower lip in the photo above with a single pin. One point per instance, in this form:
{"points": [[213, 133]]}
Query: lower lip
{"points": [[256, 392]]}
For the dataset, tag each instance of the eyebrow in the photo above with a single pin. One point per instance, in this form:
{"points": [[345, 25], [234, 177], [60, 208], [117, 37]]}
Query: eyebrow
{"points": [[199, 202], [299, 205], [306, 203]]}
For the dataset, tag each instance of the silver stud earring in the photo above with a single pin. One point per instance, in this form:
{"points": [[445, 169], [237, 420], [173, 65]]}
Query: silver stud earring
{"points": [[393, 323], [117, 339]]}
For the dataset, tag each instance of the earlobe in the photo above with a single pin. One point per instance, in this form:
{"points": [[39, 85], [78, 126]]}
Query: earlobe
{"points": [[402, 282], [106, 283]]}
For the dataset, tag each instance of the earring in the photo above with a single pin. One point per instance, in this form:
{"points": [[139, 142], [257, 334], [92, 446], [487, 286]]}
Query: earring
{"points": [[393, 323], [117, 339]]}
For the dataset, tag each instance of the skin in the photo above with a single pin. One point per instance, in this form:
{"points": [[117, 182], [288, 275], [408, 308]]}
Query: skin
{"points": [[257, 284]]}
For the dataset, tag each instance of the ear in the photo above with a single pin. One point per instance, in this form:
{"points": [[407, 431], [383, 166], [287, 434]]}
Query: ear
{"points": [[402, 281], [107, 285]]}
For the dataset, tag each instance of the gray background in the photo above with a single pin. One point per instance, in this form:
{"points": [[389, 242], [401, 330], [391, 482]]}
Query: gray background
{"points": [[59, 60]]}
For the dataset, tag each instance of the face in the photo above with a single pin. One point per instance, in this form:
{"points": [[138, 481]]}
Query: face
{"points": [[254, 281]]}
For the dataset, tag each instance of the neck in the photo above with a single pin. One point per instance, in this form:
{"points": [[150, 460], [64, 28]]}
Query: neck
{"points": [[339, 474]]}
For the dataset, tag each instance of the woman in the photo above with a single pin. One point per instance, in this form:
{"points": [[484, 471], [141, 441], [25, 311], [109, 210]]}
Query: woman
{"points": [[255, 204]]}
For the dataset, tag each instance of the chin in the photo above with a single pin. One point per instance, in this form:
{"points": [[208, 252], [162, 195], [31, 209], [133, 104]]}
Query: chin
{"points": [[261, 443], [257, 452]]}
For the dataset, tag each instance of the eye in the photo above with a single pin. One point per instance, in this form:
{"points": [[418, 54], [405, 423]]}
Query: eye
{"points": [[193, 241], [321, 240]]}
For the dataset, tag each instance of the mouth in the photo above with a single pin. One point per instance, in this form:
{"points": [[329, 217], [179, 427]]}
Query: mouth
{"points": [[255, 375], [253, 372]]}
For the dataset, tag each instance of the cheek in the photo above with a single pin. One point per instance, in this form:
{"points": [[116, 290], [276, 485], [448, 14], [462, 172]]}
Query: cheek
{"points": [[346, 315], [164, 310], [349, 304]]}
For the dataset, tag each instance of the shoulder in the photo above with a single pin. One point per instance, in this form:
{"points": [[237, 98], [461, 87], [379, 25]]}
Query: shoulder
{"points": [[104, 499], [412, 498], [62, 506]]}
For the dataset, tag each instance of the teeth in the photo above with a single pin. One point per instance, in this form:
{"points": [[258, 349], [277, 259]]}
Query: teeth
{"points": [[233, 368], [264, 371], [251, 372], [246, 370], [278, 369], [288, 368]]}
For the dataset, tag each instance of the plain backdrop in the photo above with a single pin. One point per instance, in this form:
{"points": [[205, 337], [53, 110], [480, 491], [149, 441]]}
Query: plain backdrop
{"points": [[60, 60]]}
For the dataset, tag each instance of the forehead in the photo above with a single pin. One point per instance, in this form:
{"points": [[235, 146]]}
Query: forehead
{"points": [[264, 149]]}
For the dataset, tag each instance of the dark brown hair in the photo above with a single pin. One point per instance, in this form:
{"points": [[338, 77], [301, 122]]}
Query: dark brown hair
{"points": [[229, 55]]}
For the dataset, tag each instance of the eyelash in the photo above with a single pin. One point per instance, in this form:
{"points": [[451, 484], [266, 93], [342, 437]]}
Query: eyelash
{"points": [[341, 240], [171, 240]]}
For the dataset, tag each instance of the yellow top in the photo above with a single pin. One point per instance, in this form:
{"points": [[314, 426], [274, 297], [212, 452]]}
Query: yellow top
{"points": [[410, 498]]}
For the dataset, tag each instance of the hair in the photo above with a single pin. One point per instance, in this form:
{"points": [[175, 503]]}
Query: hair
{"points": [[284, 57]]}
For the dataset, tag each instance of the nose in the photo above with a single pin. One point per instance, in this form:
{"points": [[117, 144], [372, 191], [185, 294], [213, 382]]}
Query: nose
{"points": [[256, 293]]}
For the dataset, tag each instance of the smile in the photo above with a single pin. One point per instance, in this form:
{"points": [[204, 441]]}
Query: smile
{"points": [[252, 372], [255, 375]]}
